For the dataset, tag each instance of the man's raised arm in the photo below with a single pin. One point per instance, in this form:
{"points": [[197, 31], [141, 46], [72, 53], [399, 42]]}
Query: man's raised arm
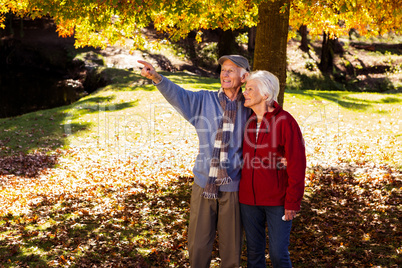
{"points": [[149, 72]]}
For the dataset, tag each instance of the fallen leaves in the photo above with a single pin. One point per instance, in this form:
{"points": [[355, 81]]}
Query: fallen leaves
{"points": [[122, 202], [97, 209], [349, 219], [26, 165]]}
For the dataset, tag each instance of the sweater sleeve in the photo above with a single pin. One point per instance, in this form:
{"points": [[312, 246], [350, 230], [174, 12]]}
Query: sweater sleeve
{"points": [[187, 103], [296, 164]]}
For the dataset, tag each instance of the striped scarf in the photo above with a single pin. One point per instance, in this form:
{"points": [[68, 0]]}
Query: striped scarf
{"points": [[217, 173]]}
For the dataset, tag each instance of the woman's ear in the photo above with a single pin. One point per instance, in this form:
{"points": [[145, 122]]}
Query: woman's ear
{"points": [[244, 77]]}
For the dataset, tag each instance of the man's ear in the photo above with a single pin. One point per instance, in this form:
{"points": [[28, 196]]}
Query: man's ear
{"points": [[244, 77]]}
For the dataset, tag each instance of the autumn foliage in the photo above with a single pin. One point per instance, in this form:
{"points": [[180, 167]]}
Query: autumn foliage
{"points": [[369, 18], [85, 206], [100, 23]]}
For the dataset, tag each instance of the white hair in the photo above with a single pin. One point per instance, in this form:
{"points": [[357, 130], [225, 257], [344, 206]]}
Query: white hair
{"points": [[268, 84], [242, 71]]}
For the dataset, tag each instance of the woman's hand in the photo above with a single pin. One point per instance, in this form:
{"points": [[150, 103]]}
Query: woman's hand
{"points": [[284, 162], [289, 215]]}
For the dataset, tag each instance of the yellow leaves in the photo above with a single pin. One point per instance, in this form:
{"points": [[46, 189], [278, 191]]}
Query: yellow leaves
{"points": [[284, 8], [65, 28], [366, 16], [2, 19], [94, 25], [366, 237], [198, 37], [159, 20]]}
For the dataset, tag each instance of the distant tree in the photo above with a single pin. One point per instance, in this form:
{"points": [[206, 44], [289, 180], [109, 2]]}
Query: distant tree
{"points": [[304, 41], [252, 31], [327, 53], [227, 43], [332, 18]]}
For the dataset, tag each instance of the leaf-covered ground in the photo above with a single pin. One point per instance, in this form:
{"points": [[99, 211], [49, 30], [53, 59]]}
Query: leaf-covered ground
{"points": [[106, 182]]}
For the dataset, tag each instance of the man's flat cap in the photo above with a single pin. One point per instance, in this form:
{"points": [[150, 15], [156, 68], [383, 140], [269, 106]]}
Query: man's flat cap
{"points": [[236, 59]]}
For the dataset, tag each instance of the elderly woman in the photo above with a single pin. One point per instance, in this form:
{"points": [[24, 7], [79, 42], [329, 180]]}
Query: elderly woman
{"points": [[270, 192]]}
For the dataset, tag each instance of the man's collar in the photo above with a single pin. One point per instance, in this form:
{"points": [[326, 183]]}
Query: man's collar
{"points": [[239, 96]]}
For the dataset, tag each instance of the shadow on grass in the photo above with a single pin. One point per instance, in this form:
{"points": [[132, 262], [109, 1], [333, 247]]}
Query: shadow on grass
{"points": [[299, 81], [37, 132], [126, 80], [386, 49], [94, 100], [98, 104], [47, 130], [335, 97], [346, 100]]}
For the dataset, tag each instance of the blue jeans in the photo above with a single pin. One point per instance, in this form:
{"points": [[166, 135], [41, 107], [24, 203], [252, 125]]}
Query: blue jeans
{"points": [[253, 219]]}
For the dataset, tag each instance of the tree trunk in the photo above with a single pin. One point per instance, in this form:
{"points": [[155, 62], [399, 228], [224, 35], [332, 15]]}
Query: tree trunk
{"points": [[327, 54], [190, 45], [271, 41], [251, 40], [304, 40], [227, 44]]}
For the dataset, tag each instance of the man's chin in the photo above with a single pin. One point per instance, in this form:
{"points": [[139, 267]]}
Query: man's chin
{"points": [[231, 88]]}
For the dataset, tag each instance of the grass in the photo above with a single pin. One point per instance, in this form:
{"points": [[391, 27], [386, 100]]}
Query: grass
{"points": [[349, 126], [131, 112], [50, 129], [117, 190], [131, 96]]}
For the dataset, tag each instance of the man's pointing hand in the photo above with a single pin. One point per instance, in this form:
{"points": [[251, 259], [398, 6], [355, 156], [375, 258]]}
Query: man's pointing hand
{"points": [[149, 72]]}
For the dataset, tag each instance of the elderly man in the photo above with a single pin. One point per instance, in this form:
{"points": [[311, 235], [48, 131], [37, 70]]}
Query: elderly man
{"points": [[219, 119]]}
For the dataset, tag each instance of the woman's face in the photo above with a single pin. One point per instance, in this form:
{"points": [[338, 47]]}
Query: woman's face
{"points": [[253, 96]]}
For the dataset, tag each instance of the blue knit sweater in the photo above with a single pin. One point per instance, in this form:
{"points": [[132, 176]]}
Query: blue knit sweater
{"points": [[203, 110]]}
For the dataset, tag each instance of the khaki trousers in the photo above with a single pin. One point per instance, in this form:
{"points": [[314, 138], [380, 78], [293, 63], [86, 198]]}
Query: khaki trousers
{"points": [[208, 216]]}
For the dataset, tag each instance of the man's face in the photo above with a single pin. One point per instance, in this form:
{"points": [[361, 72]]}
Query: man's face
{"points": [[230, 76]]}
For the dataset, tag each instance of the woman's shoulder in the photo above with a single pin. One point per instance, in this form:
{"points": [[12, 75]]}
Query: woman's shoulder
{"points": [[288, 117]]}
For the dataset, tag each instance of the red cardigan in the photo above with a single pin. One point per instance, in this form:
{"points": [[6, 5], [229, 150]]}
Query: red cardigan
{"points": [[264, 181]]}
